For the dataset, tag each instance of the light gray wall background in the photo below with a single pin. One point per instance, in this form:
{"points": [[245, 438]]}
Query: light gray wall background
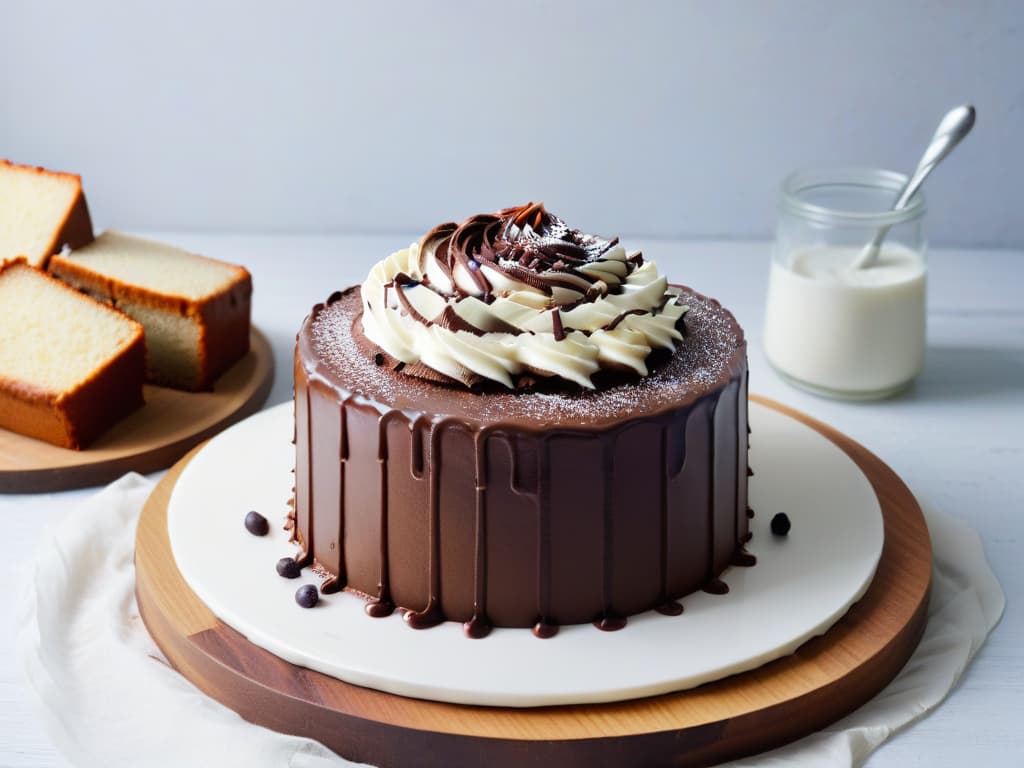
{"points": [[643, 118]]}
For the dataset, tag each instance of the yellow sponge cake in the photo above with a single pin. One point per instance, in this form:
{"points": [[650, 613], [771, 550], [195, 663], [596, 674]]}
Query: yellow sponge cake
{"points": [[195, 310], [69, 366], [40, 212]]}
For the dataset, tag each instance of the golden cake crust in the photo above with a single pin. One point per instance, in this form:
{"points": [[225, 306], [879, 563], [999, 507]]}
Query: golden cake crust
{"points": [[222, 317], [74, 418]]}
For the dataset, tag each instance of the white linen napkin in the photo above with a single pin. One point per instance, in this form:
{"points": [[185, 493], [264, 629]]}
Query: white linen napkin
{"points": [[107, 696]]}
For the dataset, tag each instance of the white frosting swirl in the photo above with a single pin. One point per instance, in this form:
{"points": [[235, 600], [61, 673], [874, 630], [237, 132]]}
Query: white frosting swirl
{"points": [[422, 305]]}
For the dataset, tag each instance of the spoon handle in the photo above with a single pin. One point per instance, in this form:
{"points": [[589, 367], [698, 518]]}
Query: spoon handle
{"points": [[951, 131]]}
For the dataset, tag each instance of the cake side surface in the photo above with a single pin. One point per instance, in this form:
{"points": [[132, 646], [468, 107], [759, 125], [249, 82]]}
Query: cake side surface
{"points": [[41, 211], [69, 366], [53, 337], [196, 310], [502, 508], [226, 320], [113, 392]]}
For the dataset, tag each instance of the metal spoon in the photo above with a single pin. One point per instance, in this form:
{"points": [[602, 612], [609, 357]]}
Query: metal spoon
{"points": [[951, 131]]}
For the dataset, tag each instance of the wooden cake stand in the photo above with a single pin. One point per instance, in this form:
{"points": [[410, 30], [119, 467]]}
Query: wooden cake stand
{"points": [[827, 677], [153, 437]]}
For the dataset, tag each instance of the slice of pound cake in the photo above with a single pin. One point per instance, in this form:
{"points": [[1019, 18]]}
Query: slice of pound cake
{"points": [[69, 366], [40, 212], [195, 310]]}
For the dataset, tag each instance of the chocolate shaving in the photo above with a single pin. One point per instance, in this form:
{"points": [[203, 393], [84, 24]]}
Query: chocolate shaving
{"points": [[451, 320], [403, 281], [556, 323], [619, 318], [526, 243]]}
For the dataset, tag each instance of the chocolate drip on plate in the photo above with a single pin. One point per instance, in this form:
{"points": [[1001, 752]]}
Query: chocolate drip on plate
{"points": [[716, 587], [381, 605], [545, 629], [305, 555], [331, 585], [378, 608], [479, 625], [432, 615], [544, 536], [610, 623], [476, 628], [663, 478], [743, 559], [671, 608], [711, 501]]}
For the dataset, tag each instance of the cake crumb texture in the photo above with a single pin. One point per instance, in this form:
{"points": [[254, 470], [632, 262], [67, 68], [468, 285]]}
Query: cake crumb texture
{"points": [[53, 338], [69, 366], [154, 266], [40, 212], [195, 310]]}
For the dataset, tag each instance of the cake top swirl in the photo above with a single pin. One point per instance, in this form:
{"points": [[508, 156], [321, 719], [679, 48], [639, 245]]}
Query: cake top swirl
{"points": [[518, 292], [525, 243]]}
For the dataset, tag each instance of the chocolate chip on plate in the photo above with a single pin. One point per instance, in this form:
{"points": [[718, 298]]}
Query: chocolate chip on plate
{"points": [[307, 596], [780, 524], [288, 568], [256, 524]]}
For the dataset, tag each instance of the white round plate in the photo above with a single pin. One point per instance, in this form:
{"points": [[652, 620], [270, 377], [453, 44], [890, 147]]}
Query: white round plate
{"points": [[801, 585]]}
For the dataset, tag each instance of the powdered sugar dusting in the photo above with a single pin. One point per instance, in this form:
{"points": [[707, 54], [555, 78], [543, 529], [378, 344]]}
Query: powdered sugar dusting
{"points": [[710, 355], [336, 345]]}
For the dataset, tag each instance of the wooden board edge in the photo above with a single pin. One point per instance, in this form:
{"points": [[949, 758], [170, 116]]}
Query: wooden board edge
{"points": [[65, 478]]}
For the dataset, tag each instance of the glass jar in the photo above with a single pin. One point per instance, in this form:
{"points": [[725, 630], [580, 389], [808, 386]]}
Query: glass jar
{"points": [[831, 328]]}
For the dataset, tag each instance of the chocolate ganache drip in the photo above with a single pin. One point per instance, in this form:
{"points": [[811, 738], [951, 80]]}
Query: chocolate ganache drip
{"points": [[518, 292]]}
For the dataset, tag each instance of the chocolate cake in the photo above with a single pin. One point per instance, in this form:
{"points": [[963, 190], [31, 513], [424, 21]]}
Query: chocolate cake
{"points": [[512, 423]]}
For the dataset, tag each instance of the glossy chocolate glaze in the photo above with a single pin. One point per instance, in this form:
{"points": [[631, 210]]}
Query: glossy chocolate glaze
{"points": [[520, 509]]}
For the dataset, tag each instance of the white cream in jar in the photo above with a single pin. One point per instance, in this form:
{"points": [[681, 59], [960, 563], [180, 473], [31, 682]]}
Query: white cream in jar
{"points": [[851, 332]]}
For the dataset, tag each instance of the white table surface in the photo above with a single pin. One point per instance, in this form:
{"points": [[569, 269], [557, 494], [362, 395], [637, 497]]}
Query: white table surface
{"points": [[955, 438]]}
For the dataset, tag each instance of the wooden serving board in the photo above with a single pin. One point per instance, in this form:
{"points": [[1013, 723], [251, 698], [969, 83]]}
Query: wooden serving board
{"points": [[825, 679], [155, 436]]}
